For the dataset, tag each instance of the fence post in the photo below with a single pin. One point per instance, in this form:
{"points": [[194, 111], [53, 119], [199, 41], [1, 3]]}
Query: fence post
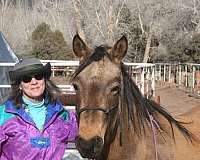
{"points": [[53, 73], [160, 72], [179, 76], [186, 76], [142, 79], [193, 77], [153, 80], [170, 68], [164, 72]]}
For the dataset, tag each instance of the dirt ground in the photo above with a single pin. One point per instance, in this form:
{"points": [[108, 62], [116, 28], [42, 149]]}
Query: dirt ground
{"points": [[175, 100]]}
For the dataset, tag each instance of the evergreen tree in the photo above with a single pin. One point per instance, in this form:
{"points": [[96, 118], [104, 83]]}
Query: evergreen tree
{"points": [[48, 44]]}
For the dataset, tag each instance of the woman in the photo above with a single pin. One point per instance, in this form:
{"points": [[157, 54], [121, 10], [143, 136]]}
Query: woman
{"points": [[33, 123]]}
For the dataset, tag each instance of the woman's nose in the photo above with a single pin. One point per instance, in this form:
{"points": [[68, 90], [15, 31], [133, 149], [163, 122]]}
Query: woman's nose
{"points": [[33, 80]]}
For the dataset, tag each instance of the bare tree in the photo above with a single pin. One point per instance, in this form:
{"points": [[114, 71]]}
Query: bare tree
{"points": [[5, 8], [99, 21]]}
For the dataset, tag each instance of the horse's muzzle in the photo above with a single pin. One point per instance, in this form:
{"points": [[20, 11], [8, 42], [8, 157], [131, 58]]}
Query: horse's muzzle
{"points": [[89, 148]]}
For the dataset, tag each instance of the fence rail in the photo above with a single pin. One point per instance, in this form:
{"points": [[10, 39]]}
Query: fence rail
{"points": [[145, 75], [185, 76]]}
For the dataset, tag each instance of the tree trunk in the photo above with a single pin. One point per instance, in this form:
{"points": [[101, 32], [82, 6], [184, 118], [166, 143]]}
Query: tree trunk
{"points": [[78, 21], [147, 49]]}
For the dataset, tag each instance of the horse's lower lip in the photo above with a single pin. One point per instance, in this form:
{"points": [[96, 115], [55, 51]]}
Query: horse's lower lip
{"points": [[88, 155]]}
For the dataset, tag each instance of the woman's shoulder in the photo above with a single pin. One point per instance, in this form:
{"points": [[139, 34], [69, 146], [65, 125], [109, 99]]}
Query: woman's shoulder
{"points": [[4, 116]]}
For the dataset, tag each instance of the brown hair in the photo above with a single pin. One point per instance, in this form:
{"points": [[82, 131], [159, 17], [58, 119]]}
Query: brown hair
{"points": [[50, 93]]}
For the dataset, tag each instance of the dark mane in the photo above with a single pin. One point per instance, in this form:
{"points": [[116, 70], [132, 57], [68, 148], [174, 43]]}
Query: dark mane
{"points": [[137, 105]]}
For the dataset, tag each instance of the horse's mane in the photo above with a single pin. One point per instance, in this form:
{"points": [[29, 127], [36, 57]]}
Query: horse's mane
{"points": [[139, 108]]}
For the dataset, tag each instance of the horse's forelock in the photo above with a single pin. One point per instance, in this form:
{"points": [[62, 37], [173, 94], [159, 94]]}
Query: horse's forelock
{"points": [[97, 55]]}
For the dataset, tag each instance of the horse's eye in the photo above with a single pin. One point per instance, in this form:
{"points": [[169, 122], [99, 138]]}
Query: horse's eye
{"points": [[76, 87], [115, 90]]}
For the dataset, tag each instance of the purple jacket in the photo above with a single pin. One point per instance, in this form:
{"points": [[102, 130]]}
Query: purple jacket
{"points": [[20, 139]]}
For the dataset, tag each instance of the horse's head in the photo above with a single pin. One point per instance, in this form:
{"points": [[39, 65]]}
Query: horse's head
{"points": [[97, 82]]}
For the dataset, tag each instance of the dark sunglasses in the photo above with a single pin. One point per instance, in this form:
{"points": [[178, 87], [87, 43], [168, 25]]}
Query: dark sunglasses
{"points": [[28, 78]]}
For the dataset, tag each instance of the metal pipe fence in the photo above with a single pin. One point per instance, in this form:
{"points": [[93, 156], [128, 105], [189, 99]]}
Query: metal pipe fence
{"points": [[185, 76]]}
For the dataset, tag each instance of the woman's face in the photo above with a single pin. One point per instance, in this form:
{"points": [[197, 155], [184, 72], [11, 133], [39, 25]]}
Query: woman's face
{"points": [[33, 87]]}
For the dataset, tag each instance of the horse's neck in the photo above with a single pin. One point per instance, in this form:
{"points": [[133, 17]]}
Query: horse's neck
{"points": [[137, 148], [125, 144], [131, 147]]}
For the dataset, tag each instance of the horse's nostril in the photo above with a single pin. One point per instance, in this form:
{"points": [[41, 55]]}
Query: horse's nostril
{"points": [[82, 143], [98, 141], [94, 142]]}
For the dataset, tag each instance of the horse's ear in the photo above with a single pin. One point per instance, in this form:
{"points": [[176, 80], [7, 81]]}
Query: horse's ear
{"points": [[81, 50], [119, 49]]}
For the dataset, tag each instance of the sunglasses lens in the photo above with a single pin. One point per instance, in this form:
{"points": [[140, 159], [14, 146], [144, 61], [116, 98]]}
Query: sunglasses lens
{"points": [[27, 79], [39, 76]]}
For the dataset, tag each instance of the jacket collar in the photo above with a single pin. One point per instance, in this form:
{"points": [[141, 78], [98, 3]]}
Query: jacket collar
{"points": [[52, 109], [10, 107]]}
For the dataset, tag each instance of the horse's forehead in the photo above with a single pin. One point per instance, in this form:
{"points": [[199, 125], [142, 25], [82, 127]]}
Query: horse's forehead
{"points": [[102, 69]]}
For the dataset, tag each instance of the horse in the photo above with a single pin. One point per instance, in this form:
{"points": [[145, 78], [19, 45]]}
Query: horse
{"points": [[116, 122]]}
